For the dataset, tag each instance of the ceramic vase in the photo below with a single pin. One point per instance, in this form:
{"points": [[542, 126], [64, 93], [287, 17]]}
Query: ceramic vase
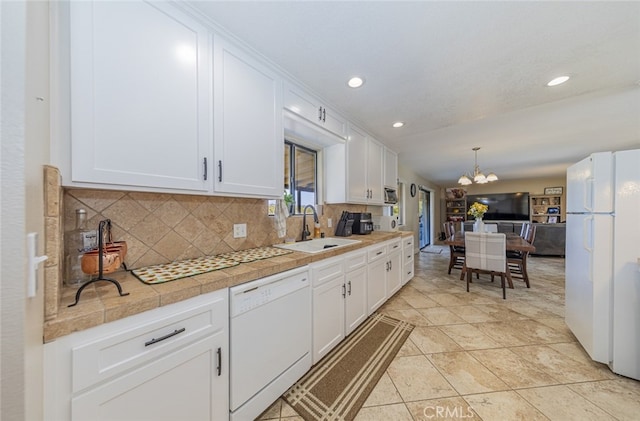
{"points": [[478, 226]]}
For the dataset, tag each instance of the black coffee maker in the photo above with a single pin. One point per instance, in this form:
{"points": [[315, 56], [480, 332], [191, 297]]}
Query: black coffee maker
{"points": [[362, 223]]}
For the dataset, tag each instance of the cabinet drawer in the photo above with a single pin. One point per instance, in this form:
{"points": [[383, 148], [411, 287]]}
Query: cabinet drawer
{"points": [[326, 270], [407, 271], [376, 252], [124, 349], [407, 255], [394, 245], [355, 261], [407, 242]]}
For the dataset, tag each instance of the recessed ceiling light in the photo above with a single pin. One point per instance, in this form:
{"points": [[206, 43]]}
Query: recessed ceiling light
{"points": [[398, 124], [559, 80], [355, 82]]}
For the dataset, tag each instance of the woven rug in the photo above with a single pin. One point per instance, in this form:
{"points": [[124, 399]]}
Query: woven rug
{"points": [[337, 386]]}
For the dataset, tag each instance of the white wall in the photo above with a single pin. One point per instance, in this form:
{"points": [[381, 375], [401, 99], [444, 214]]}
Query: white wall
{"points": [[37, 154], [407, 176], [12, 255], [25, 138]]}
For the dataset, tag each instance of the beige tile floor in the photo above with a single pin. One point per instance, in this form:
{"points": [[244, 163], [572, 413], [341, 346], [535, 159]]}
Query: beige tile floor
{"points": [[474, 356]]}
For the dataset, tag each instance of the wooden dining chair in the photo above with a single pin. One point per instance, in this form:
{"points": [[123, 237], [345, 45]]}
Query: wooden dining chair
{"points": [[524, 229], [456, 254], [486, 253], [517, 260]]}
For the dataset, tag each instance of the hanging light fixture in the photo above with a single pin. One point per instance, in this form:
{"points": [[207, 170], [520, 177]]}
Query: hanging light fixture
{"points": [[478, 177]]}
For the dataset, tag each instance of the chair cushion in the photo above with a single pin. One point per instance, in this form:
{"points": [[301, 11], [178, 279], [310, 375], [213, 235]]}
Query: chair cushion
{"points": [[486, 251]]}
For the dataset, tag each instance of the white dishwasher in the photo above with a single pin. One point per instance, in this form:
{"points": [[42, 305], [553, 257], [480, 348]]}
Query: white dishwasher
{"points": [[270, 336]]}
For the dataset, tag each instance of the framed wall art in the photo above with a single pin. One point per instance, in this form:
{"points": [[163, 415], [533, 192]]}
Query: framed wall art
{"points": [[551, 191]]}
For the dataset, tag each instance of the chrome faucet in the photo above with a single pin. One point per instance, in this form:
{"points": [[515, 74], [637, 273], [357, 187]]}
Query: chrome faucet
{"points": [[305, 228]]}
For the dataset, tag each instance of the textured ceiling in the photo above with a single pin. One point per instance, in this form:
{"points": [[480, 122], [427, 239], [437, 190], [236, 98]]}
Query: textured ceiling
{"points": [[462, 74]]}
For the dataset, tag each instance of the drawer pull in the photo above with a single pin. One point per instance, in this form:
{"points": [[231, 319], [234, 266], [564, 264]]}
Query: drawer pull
{"points": [[379, 253], [162, 338]]}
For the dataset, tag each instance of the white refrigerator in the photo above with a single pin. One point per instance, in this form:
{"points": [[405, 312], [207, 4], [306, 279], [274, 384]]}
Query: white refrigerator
{"points": [[603, 258]]}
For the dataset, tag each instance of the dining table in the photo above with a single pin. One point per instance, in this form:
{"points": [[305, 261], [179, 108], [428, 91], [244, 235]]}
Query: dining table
{"points": [[514, 242]]}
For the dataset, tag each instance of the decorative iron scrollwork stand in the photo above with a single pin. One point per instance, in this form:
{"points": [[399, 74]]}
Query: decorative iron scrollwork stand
{"points": [[101, 227]]}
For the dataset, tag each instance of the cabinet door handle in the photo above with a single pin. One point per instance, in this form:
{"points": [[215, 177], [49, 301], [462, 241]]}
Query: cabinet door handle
{"points": [[349, 290], [205, 167], [344, 291], [220, 171], [324, 115], [219, 366], [162, 338], [320, 113]]}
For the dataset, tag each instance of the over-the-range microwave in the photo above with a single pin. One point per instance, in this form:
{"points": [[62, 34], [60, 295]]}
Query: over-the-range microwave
{"points": [[390, 196]]}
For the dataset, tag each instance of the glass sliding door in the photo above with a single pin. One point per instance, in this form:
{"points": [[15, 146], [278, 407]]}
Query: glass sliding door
{"points": [[424, 217]]}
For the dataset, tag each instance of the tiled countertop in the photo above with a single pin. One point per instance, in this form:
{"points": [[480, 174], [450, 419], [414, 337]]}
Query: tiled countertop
{"points": [[100, 302]]}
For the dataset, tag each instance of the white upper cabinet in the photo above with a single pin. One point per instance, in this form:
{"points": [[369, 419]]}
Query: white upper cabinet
{"points": [[354, 172], [365, 157], [375, 171], [140, 96], [305, 105], [357, 187], [248, 133], [390, 168]]}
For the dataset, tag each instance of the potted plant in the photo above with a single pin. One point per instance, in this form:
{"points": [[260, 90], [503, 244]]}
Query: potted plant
{"points": [[288, 200], [477, 210]]}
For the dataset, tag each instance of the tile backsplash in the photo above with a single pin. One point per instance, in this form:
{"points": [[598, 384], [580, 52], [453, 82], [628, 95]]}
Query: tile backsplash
{"points": [[161, 228]]}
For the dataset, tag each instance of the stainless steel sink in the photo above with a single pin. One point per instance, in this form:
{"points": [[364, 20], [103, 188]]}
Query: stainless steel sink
{"points": [[318, 245]]}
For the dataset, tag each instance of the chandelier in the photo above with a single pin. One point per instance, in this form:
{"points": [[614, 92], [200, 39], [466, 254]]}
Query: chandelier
{"points": [[478, 176]]}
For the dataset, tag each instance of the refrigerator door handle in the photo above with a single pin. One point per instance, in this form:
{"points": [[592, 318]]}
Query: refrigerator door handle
{"points": [[587, 234], [587, 238], [588, 194]]}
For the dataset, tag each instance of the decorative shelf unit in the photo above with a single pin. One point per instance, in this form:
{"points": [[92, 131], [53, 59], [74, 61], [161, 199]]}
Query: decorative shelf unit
{"points": [[545, 209], [456, 206], [456, 211]]}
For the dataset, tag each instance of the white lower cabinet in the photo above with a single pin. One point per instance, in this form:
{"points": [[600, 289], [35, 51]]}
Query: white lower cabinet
{"points": [[407, 256], [153, 393], [394, 269], [165, 364], [339, 300], [327, 280], [376, 277], [355, 266], [384, 273]]}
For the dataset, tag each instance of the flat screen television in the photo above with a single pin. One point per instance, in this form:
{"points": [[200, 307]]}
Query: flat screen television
{"points": [[502, 206]]}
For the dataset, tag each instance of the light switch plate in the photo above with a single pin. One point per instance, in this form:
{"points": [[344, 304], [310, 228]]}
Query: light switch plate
{"points": [[239, 230]]}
